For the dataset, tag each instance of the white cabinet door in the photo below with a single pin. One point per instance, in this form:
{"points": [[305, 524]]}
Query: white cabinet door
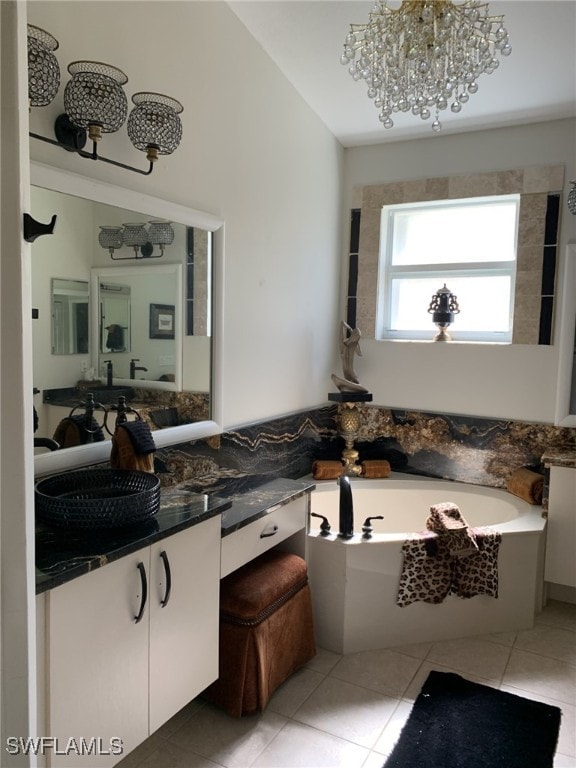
{"points": [[561, 529], [183, 618], [98, 664]]}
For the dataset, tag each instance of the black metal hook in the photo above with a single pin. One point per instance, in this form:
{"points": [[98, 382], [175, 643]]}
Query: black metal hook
{"points": [[34, 229]]}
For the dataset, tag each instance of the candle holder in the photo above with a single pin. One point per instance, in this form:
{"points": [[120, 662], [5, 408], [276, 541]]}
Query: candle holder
{"points": [[349, 423], [443, 307]]}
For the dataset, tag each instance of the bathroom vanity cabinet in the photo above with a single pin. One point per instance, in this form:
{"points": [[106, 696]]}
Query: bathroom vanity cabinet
{"points": [[109, 676], [102, 675], [560, 566], [283, 526]]}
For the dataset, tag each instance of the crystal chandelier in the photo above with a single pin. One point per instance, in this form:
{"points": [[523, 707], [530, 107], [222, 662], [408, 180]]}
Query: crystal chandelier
{"points": [[425, 55]]}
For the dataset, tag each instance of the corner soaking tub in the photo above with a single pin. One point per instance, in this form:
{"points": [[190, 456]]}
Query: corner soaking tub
{"points": [[355, 582]]}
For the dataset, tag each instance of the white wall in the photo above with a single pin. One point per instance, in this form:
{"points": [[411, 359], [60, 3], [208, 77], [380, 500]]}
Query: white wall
{"points": [[253, 154], [515, 382]]}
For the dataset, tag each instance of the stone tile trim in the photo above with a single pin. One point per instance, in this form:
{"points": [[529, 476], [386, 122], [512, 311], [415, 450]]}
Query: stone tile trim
{"points": [[533, 184]]}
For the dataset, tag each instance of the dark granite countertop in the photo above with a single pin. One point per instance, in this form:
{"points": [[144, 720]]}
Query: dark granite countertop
{"points": [[63, 555], [560, 457]]}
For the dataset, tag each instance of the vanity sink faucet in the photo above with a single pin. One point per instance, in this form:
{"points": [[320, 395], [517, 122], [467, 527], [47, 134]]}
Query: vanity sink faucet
{"points": [[134, 367], [109, 372]]}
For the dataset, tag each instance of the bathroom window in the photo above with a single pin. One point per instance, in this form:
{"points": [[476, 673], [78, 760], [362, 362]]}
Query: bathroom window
{"points": [[467, 244]]}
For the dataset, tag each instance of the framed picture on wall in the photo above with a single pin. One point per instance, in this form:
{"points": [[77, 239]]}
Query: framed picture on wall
{"points": [[161, 321]]}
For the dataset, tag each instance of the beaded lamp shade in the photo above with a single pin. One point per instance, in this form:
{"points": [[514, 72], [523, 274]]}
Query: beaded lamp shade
{"points": [[160, 232], [94, 99], [135, 235], [43, 67], [154, 126], [111, 237]]}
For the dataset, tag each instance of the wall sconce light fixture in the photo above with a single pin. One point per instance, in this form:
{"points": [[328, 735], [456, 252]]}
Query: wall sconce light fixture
{"points": [[136, 236], [95, 104], [443, 307]]}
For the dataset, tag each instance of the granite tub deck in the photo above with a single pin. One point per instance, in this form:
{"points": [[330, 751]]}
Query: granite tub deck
{"points": [[63, 555]]}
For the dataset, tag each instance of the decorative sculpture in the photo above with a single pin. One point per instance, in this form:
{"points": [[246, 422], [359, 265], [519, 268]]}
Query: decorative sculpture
{"points": [[349, 347], [350, 394]]}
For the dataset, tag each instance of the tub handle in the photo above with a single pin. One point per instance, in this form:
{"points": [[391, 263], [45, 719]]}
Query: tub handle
{"points": [[324, 525], [367, 527]]}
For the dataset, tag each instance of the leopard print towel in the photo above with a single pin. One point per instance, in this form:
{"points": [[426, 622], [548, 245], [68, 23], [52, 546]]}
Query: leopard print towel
{"points": [[430, 572]]}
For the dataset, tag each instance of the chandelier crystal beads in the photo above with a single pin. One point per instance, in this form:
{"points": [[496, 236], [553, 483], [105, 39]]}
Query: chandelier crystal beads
{"points": [[425, 56]]}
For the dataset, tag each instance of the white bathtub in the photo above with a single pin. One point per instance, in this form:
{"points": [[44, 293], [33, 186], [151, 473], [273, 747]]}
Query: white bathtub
{"points": [[354, 582]]}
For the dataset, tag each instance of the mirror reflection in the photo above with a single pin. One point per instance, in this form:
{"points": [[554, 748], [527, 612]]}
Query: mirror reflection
{"points": [[145, 321], [70, 326], [115, 310]]}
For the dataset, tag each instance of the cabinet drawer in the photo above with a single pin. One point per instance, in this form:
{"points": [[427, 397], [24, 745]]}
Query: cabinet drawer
{"points": [[247, 543]]}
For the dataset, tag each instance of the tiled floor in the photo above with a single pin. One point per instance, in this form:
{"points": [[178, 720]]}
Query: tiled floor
{"points": [[348, 710]]}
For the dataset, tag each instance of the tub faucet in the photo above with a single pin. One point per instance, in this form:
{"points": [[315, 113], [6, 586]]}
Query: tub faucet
{"points": [[346, 508], [134, 367]]}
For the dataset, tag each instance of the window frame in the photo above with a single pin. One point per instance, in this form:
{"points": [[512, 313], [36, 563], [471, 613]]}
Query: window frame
{"points": [[387, 272]]}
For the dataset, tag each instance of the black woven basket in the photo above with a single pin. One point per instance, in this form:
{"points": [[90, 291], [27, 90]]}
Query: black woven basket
{"points": [[97, 498]]}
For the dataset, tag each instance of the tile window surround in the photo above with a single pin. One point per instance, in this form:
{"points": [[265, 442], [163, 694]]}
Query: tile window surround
{"points": [[537, 240]]}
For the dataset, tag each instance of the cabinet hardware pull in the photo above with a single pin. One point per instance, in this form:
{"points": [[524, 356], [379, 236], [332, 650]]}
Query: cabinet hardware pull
{"points": [[144, 597], [166, 562], [265, 535]]}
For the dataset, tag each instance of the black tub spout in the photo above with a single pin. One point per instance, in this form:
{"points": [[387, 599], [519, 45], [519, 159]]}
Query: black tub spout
{"points": [[346, 508]]}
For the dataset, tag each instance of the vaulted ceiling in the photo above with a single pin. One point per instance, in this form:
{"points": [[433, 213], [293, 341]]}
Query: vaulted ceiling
{"points": [[537, 82]]}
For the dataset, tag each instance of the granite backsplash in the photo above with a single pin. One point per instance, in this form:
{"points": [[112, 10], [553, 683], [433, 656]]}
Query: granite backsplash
{"points": [[464, 448]]}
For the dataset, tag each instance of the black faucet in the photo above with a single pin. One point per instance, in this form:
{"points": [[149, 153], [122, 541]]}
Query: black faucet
{"points": [[346, 508], [134, 367], [109, 373]]}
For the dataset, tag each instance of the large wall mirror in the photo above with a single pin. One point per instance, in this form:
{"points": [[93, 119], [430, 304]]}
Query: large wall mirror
{"points": [[141, 315], [566, 390]]}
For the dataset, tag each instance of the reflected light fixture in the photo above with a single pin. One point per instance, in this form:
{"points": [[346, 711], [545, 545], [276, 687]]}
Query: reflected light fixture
{"points": [[135, 235], [95, 104], [424, 56]]}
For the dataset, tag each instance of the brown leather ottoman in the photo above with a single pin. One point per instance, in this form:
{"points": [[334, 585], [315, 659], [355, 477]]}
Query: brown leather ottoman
{"points": [[266, 631]]}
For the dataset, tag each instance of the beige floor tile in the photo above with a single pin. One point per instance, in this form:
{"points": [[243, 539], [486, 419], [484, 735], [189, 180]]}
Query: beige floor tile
{"points": [[539, 674], [564, 761], [348, 711], [417, 650], [383, 671], [299, 746], [469, 655], [502, 638], [391, 732], [178, 720], [294, 692], [558, 614], [324, 661], [134, 758], [171, 756], [228, 741], [552, 641], [374, 760]]}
